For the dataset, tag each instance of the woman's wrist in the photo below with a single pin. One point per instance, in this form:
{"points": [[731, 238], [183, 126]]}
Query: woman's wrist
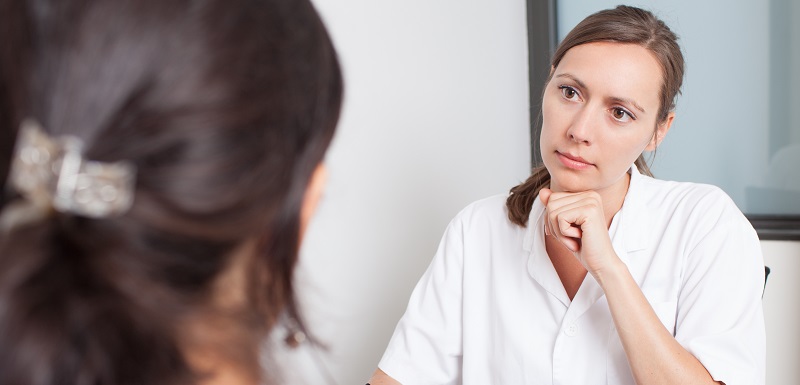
{"points": [[612, 272]]}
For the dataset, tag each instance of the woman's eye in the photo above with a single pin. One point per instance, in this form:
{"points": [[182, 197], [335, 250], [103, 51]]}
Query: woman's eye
{"points": [[568, 92], [621, 115]]}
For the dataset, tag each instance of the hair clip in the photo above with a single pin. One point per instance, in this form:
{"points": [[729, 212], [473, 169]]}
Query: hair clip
{"points": [[52, 173]]}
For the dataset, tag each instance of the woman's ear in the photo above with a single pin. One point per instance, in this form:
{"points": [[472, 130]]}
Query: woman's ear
{"points": [[661, 132], [312, 196]]}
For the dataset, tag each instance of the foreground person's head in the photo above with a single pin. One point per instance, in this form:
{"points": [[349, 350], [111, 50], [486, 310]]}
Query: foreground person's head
{"points": [[168, 155]]}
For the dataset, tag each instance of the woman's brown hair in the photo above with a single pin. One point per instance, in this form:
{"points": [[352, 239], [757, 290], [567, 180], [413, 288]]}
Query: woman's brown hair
{"points": [[225, 108], [622, 24]]}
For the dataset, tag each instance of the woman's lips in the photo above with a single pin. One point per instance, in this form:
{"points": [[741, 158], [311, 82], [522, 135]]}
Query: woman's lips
{"points": [[573, 162]]}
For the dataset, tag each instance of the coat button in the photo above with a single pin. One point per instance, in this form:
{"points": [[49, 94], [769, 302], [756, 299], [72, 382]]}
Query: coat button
{"points": [[571, 330]]}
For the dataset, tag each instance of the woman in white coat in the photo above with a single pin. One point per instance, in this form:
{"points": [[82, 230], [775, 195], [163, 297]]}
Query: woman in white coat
{"points": [[592, 271]]}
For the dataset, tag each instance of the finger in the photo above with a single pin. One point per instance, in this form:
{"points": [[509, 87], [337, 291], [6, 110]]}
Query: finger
{"points": [[571, 243], [556, 201], [574, 245], [567, 222], [544, 195], [568, 229], [564, 232], [577, 213], [550, 222]]}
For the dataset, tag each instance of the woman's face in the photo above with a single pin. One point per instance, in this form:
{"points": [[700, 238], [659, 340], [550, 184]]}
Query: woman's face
{"points": [[599, 114]]}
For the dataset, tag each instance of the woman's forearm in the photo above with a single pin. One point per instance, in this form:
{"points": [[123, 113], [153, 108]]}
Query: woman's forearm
{"points": [[653, 353], [381, 378]]}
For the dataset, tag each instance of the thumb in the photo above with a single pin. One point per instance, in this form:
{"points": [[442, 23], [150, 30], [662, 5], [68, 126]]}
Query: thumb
{"points": [[544, 195]]}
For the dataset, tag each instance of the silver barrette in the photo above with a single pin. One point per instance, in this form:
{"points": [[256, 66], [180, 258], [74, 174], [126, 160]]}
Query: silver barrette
{"points": [[51, 172]]}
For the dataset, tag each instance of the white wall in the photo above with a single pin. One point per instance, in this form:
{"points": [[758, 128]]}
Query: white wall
{"points": [[435, 116], [782, 311]]}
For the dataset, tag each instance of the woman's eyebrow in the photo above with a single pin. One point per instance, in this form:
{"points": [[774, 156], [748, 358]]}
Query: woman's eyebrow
{"points": [[612, 98], [627, 101], [573, 78]]}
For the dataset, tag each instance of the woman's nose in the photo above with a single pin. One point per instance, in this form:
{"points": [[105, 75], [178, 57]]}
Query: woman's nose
{"points": [[580, 131]]}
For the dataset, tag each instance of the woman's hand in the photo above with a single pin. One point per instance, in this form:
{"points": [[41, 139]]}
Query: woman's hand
{"points": [[577, 220]]}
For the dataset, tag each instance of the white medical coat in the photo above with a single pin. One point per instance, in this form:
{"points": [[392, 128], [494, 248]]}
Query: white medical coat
{"points": [[491, 309]]}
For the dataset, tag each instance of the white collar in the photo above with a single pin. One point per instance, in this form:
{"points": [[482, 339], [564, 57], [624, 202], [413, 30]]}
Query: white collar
{"points": [[632, 232], [635, 227]]}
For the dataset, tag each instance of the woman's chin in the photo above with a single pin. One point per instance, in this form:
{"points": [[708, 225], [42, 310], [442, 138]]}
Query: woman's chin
{"points": [[571, 184]]}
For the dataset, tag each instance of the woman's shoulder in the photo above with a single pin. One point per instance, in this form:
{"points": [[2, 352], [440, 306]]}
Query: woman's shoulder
{"points": [[485, 208], [486, 211], [696, 202], [696, 213], [668, 192]]}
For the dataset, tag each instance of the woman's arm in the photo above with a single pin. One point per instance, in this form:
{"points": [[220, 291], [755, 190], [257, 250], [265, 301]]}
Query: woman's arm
{"points": [[653, 353], [381, 378]]}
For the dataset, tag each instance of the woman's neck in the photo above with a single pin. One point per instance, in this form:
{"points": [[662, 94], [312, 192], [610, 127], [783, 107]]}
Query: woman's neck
{"points": [[216, 341], [613, 197]]}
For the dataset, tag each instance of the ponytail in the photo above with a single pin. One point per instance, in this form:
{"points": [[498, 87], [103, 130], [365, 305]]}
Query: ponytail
{"points": [[64, 319], [520, 201]]}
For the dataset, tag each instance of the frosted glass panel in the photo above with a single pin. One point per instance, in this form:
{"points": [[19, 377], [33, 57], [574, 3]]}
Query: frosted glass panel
{"points": [[738, 120]]}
